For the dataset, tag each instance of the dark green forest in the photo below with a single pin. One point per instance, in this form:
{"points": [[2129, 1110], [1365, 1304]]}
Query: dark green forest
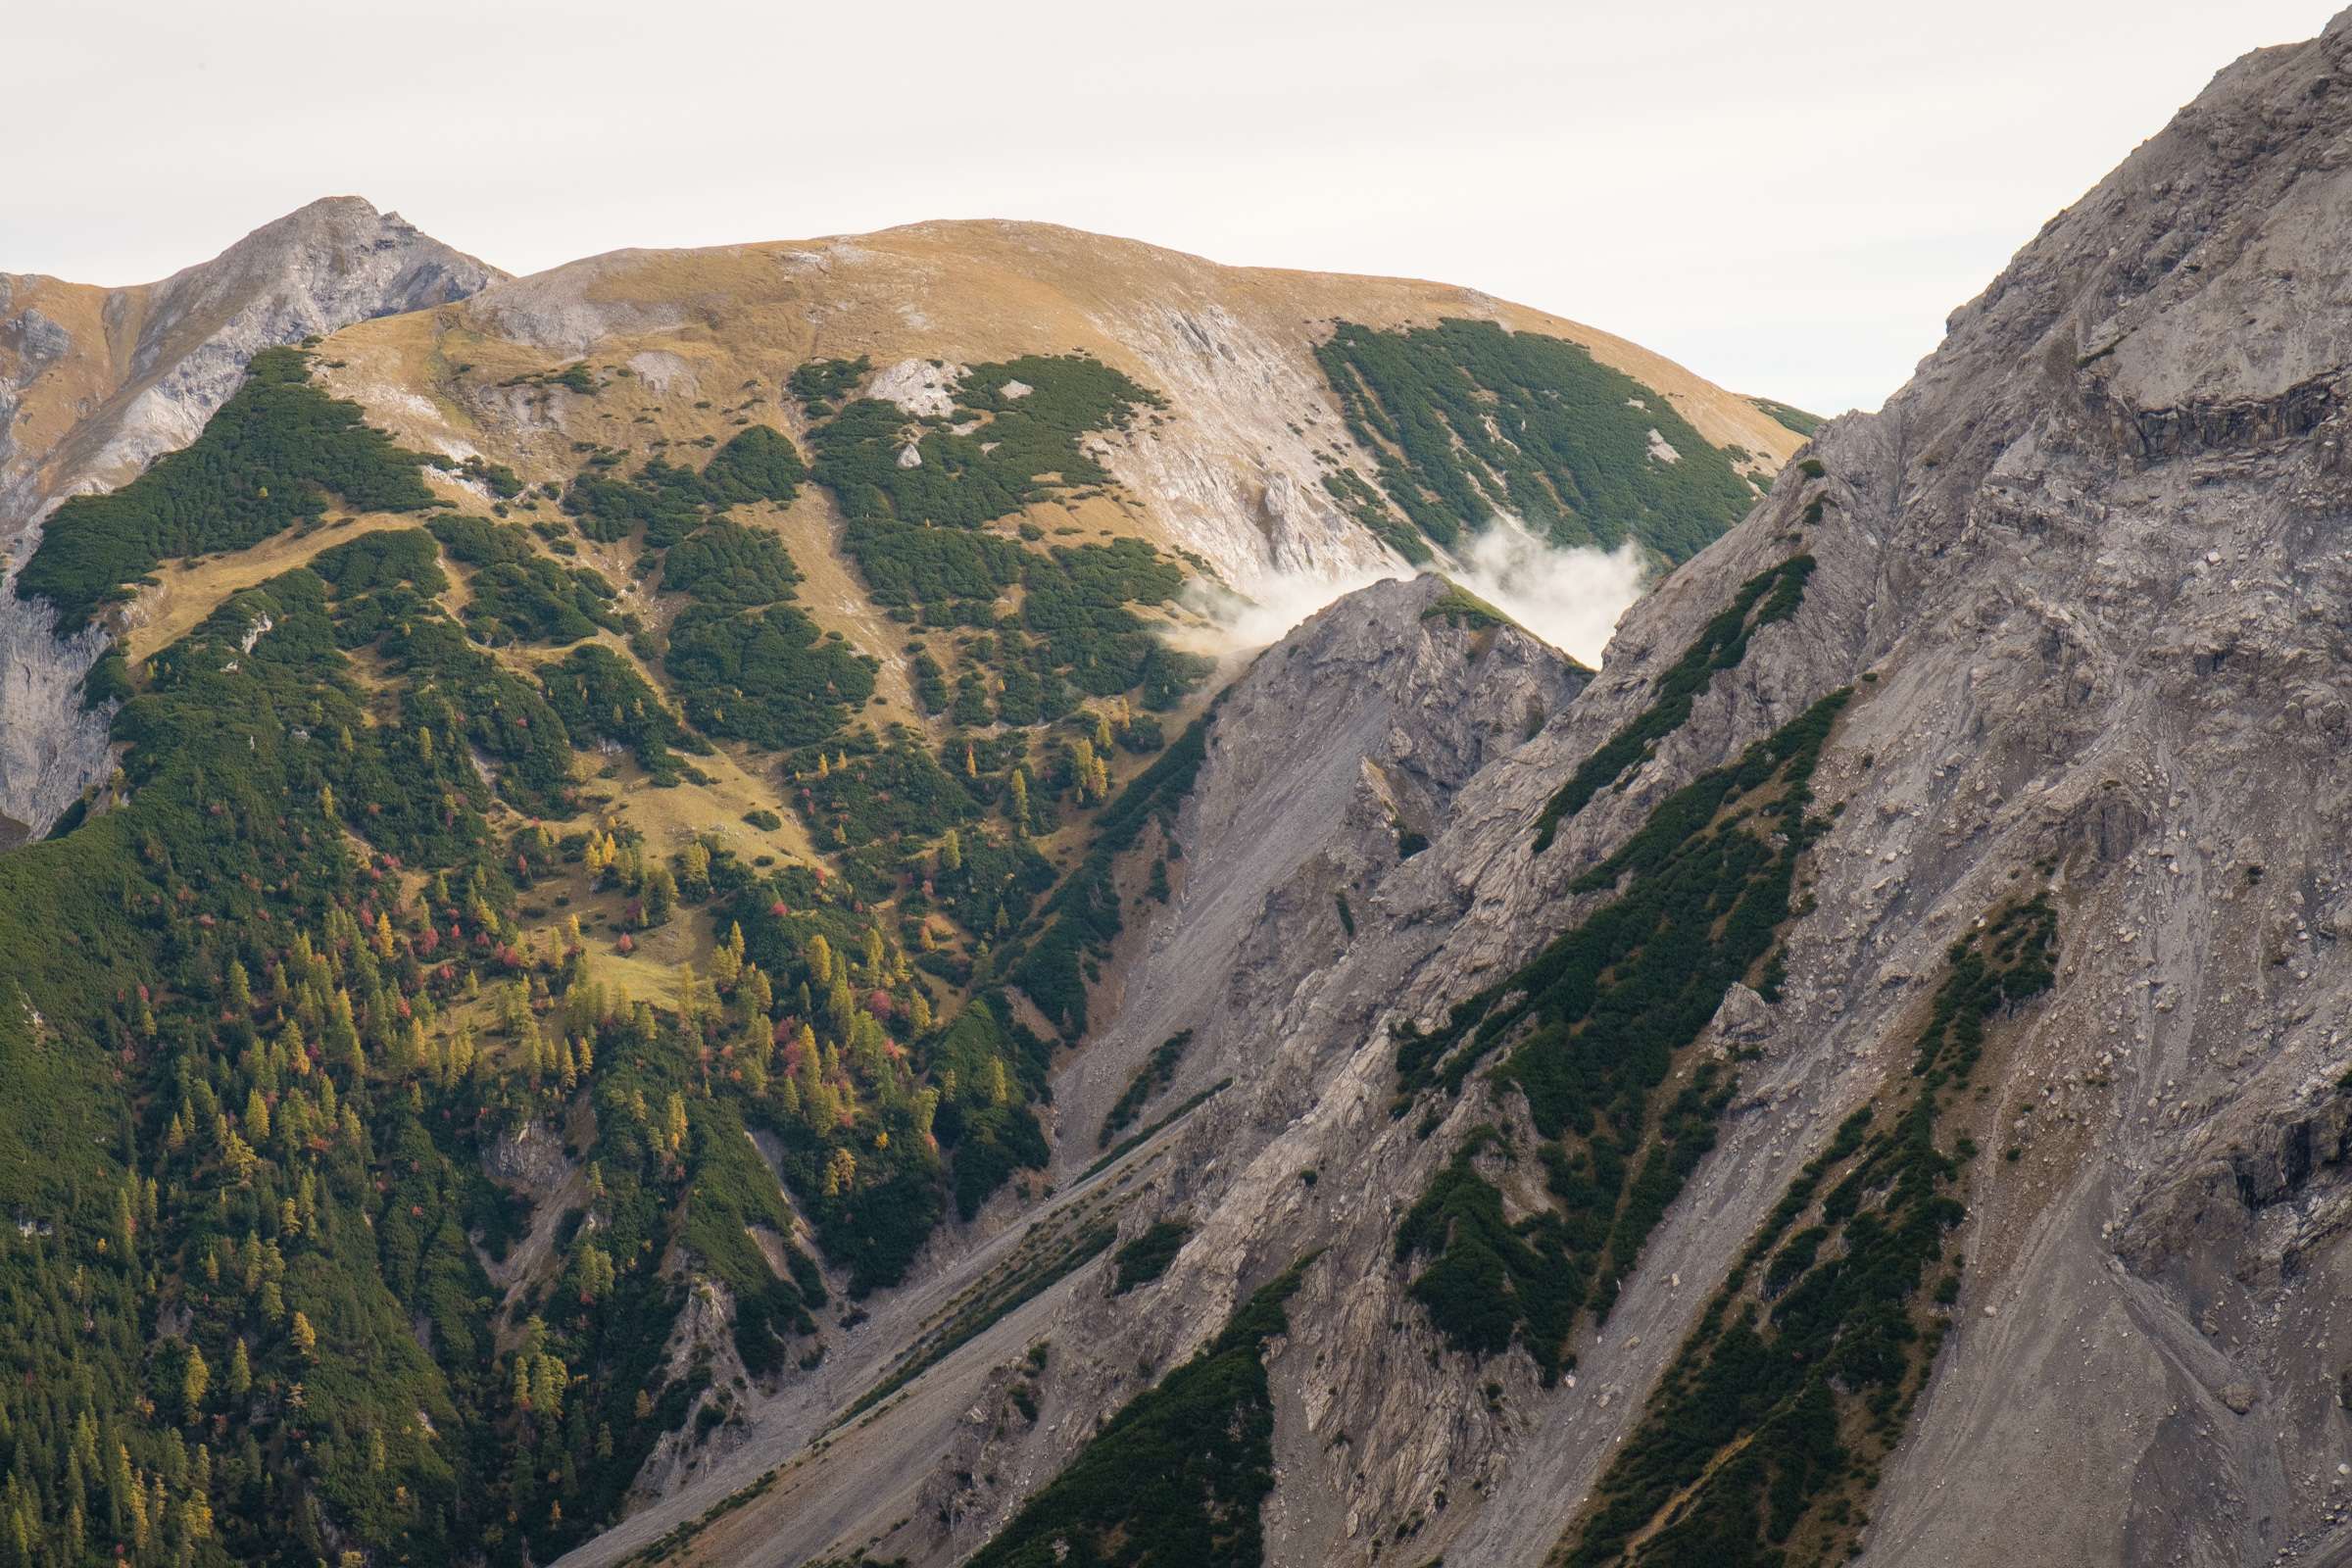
{"points": [[275, 456], [1466, 421]]}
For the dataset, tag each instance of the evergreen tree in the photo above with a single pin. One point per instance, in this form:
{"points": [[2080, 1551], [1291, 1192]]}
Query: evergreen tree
{"points": [[195, 1378]]}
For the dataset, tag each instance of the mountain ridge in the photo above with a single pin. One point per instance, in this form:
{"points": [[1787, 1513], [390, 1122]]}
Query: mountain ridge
{"points": [[1226, 471], [1229, 346]]}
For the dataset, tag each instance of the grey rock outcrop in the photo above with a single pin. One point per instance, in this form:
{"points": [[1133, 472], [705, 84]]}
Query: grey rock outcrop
{"points": [[146, 369], [51, 747]]}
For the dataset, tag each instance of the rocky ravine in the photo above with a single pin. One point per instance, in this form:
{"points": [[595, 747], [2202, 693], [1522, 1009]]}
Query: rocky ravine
{"points": [[2090, 578], [96, 383]]}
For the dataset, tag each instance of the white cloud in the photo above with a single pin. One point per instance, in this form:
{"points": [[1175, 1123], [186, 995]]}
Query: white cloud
{"points": [[1244, 623], [1571, 599]]}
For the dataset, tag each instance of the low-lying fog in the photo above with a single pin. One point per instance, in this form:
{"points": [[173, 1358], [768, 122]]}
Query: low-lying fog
{"points": [[1569, 598]]}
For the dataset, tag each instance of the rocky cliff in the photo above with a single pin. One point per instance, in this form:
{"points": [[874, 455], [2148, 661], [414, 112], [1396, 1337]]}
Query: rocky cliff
{"points": [[95, 383], [2085, 585]]}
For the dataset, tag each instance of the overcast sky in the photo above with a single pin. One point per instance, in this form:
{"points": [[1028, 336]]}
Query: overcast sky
{"points": [[1786, 198]]}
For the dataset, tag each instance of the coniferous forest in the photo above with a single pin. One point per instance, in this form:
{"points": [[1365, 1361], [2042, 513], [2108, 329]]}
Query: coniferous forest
{"points": [[296, 991]]}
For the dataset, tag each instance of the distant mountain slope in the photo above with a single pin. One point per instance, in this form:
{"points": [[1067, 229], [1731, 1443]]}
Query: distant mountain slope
{"points": [[1301, 428], [1252, 462]]}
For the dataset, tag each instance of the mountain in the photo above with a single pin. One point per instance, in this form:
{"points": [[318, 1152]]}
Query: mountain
{"points": [[584, 826], [658, 983], [1281, 448], [645, 961], [1265, 400], [1865, 1076]]}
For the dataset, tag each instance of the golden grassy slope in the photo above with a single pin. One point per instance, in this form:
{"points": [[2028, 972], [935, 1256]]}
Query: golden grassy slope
{"points": [[959, 291], [691, 345], [101, 326]]}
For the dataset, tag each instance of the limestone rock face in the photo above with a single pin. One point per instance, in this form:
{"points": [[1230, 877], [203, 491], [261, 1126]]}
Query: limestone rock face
{"points": [[529, 1156], [97, 383], [50, 748], [918, 386], [2089, 579]]}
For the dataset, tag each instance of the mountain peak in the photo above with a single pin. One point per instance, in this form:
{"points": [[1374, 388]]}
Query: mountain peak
{"points": [[389, 263], [87, 413], [330, 219], [83, 414]]}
